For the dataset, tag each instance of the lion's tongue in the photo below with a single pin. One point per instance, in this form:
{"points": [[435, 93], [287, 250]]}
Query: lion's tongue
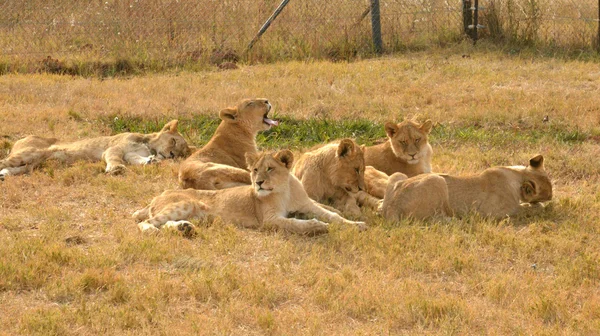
{"points": [[270, 122]]}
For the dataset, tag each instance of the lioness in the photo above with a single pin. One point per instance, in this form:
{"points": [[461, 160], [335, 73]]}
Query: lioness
{"points": [[496, 192], [116, 150], [221, 163], [273, 195], [407, 151], [334, 173], [419, 197]]}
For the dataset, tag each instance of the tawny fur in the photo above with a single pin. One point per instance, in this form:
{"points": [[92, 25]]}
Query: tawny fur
{"points": [[272, 197], [418, 197], [406, 151], [496, 192], [116, 150], [334, 174], [221, 162]]}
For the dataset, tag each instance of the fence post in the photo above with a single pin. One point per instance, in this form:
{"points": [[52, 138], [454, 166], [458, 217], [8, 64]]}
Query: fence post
{"points": [[265, 26], [475, 21], [598, 37], [468, 17], [376, 26]]}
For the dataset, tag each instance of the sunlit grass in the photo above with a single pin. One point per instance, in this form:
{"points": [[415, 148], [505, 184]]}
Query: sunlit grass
{"points": [[73, 262]]}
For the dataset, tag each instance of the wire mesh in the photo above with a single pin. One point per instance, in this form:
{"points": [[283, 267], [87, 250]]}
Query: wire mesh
{"points": [[150, 30], [561, 23]]}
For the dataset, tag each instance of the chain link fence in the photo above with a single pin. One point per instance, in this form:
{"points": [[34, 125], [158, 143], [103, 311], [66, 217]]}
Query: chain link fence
{"points": [[170, 32], [569, 24]]}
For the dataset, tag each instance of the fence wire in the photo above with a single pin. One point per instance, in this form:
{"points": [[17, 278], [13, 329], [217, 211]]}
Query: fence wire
{"points": [[561, 23], [151, 30]]}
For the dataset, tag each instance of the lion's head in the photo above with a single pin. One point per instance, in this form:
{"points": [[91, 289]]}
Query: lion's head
{"points": [[252, 114], [348, 171], [269, 172], [168, 143], [537, 186], [409, 139]]}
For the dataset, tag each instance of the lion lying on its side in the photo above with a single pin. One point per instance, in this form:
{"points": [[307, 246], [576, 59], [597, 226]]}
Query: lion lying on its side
{"points": [[273, 195], [334, 173], [496, 192], [116, 150], [221, 163]]}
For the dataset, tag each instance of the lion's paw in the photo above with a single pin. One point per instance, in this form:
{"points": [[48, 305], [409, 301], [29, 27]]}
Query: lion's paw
{"points": [[116, 170], [151, 159], [147, 228], [186, 228], [362, 226]]}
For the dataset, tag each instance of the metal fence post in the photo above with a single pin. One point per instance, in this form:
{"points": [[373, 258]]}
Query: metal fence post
{"points": [[265, 26], [475, 21], [376, 26], [468, 17]]}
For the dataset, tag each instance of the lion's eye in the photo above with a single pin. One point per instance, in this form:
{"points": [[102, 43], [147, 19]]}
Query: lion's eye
{"points": [[403, 143], [357, 170], [269, 169], [256, 170], [417, 141]]}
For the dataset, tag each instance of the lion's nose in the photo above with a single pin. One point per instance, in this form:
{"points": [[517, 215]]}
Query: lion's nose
{"points": [[259, 183]]}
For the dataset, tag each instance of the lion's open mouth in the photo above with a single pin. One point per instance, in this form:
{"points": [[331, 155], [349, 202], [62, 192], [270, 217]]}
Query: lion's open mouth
{"points": [[269, 122]]}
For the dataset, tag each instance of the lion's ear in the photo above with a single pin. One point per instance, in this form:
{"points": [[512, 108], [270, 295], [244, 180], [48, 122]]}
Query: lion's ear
{"points": [[171, 126], [528, 188], [286, 157], [345, 148], [537, 162], [426, 127], [391, 129], [251, 159], [228, 114]]}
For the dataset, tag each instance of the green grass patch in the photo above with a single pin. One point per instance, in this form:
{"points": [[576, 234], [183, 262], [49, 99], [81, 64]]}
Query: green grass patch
{"points": [[296, 133]]}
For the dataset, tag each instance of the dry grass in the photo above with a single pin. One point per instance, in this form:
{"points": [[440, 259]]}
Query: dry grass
{"points": [[73, 262], [107, 38]]}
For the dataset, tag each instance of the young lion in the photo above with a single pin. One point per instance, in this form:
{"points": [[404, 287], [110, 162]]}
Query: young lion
{"points": [[407, 151], [273, 195], [404, 197], [496, 192], [335, 173], [221, 163], [116, 150]]}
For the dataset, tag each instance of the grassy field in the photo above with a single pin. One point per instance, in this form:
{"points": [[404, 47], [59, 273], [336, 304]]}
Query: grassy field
{"points": [[110, 37], [73, 263]]}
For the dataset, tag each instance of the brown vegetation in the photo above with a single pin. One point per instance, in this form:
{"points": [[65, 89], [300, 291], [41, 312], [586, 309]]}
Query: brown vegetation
{"points": [[73, 262]]}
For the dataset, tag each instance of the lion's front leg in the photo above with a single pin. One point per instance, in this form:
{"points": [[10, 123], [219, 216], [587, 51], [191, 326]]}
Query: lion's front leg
{"points": [[347, 203], [364, 199], [375, 182], [113, 156], [137, 159], [173, 216], [299, 226], [328, 216]]}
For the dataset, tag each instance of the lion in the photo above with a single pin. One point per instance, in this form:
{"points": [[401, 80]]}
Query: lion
{"points": [[407, 151], [497, 192], [117, 150], [420, 197], [273, 195], [221, 163], [334, 173]]}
